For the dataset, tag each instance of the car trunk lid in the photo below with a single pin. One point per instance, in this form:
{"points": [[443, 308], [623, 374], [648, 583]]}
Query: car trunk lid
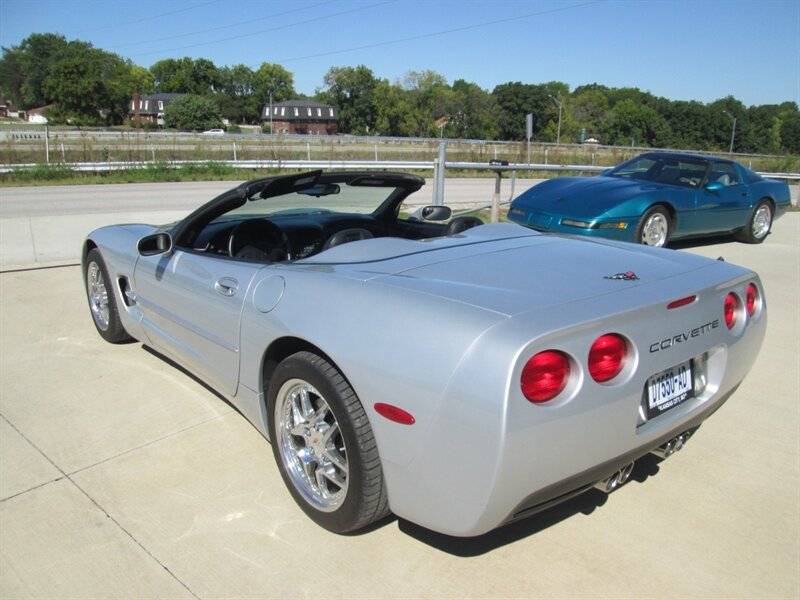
{"points": [[513, 275]]}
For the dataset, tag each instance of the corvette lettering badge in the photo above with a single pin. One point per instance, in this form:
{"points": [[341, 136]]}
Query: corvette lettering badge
{"points": [[629, 276]]}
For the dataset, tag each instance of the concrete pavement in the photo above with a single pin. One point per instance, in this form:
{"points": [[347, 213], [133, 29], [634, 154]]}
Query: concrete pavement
{"points": [[123, 477]]}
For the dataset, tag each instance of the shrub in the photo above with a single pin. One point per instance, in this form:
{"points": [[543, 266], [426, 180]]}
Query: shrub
{"points": [[192, 112]]}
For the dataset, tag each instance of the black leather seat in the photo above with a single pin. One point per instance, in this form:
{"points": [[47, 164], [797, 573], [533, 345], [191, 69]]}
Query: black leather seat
{"points": [[347, 235], [460, 224]]}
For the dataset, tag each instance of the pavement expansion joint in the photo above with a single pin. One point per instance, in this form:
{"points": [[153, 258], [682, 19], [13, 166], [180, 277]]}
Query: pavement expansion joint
{"points": [[94, 501]]}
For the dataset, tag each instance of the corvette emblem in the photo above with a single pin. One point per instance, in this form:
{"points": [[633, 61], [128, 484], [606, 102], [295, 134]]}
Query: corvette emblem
{"points": [[628, 276]]}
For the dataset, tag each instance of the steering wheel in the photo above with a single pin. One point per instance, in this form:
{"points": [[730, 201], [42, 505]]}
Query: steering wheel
{"points": [[259, 240]]}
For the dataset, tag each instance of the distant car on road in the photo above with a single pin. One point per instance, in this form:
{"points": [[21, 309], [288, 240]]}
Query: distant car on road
{"points": [[214, 132], [658, 197]]}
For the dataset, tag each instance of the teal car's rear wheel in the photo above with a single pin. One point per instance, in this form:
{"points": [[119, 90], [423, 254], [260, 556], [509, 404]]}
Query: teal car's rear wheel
{"points": [[758, 225], [654, 228]]}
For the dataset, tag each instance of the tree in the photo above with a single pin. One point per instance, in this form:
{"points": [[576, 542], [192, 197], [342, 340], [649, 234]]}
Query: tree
{"points": [[686, 123], [236, 97], [395, 113], [185, 76], [636, 124], [25, 68], [432, 98], [273, 79], [765, 124], [589, 108], [90, 86], [192, 112], [353, 91], [790, 132], [513, 101], [142, 80], [475, 115], [516, 100], [720, 116]]}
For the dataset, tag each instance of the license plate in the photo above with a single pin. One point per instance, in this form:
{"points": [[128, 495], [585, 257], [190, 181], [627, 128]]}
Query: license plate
{"points": [[669, 388]]}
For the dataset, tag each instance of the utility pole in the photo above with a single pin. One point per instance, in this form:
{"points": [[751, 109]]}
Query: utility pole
{"points": [[560, 107], [733, 131], [529, 132]]}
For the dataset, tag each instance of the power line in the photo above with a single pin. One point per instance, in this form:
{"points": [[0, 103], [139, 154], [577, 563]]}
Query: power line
{"points": [[279, 27], [248, 22], [143, 19], [438, 33]]}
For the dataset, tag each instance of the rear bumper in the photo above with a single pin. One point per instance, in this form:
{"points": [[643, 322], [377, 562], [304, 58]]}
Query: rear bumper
{"points": [[577, 484]]}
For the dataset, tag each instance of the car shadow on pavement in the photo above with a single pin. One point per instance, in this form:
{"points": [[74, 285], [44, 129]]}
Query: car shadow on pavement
{"points": [[702, 242], [189, 374], [585, 503]]}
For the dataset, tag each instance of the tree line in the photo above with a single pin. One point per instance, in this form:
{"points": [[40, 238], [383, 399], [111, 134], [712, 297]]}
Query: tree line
{"points": [[89, 86]]}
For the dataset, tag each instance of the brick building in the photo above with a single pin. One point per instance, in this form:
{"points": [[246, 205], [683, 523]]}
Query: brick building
{"points": [[304, 117]]}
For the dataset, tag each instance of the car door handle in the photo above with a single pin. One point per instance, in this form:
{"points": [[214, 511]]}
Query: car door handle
{"points": [[226, 286]]}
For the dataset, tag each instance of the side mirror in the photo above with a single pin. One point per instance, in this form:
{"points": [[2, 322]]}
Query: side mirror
{"points": [[434, 212], [154, 244], [714, 186]]}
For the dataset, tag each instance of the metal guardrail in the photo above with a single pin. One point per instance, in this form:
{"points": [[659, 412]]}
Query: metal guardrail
{"points": [[236, 164], [341, 164], [311, 164]]}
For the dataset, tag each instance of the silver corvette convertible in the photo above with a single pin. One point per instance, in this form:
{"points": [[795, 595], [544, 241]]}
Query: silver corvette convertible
{"points": [[456, 374]]}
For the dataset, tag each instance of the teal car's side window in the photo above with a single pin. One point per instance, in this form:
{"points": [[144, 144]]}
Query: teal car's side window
{"points": [[725, 174]]}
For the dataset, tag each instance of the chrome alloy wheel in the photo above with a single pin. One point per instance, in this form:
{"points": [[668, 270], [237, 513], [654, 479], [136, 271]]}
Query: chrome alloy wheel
{"points": [[311, 445], [762, 221], [655, 230], [98, 295]]}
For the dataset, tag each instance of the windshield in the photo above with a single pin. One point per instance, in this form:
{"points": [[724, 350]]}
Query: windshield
{"points": [[320, 199], [670, 170]]}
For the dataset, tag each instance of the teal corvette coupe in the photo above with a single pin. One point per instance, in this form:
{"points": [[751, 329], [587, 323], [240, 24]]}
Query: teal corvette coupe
{"points": [[657, 197]]}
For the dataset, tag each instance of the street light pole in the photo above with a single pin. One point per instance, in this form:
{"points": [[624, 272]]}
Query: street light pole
{"points": [[560, 107], [270, 114], [733, 131]]}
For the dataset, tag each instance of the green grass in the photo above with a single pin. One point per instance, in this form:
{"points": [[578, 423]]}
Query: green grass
{"points": [[156, 172]]}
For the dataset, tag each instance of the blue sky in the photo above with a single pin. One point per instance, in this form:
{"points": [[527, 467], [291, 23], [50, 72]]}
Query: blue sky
{"points": [[682, 50]]}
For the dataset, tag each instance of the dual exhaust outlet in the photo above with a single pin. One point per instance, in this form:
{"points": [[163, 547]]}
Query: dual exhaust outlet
{"points": [[672, 446], [609, 484]]}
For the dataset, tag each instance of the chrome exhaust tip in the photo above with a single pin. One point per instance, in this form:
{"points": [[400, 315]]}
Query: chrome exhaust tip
{"points": [[609, 484], [671, 447]]}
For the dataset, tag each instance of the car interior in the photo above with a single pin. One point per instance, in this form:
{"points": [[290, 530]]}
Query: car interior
{"points": [[292, 218]]}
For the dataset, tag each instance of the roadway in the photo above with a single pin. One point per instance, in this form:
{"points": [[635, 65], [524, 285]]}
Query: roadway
{"points": [[46, 226], [123, 477]]}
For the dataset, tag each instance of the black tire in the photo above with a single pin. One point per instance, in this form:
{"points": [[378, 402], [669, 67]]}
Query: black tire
{"points": [[758, 225], [318, 426], [654, 227], [102, 300]]}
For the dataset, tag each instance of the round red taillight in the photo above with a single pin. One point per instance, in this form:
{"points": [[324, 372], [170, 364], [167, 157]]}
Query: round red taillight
{"points": [[731, 308], [545, 376], [607, 357], [752, 299]]}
